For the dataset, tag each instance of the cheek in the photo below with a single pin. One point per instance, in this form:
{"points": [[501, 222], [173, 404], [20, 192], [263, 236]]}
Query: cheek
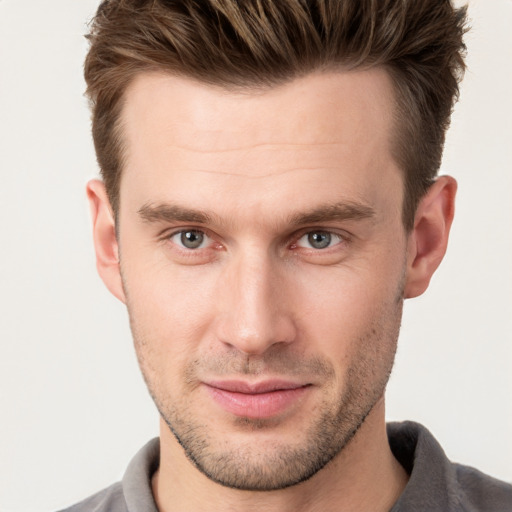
{"points": [[338, 307], [170, 308]]}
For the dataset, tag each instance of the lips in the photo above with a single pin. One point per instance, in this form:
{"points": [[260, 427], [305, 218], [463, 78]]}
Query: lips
{"points": [[256, 400]]}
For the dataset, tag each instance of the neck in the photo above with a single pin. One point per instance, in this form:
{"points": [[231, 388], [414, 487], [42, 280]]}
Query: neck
{"points": [[364, 476]]}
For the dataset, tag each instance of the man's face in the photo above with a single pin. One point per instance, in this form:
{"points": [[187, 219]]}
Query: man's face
{"points": [[263, 264]]}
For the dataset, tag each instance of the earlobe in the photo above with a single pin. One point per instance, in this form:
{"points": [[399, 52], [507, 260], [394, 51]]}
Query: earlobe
{"points": [[105, 240], [429, 238]]}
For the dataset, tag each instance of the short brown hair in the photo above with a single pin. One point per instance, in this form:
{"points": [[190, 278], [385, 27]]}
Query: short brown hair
{"points": [[261, 43]]}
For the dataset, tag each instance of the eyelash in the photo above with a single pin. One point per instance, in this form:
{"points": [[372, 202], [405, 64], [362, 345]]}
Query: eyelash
{"points": [[185, 231], [167, 237], [332, 236], [342, 240]]}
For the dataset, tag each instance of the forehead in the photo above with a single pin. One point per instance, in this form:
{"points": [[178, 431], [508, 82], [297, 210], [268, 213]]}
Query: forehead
{"points": [[319, 129]]}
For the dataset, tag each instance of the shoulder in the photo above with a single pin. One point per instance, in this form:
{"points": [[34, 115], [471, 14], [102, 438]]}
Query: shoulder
{"points": [[436, 483], [134, 492], [110, 499], [481, 491]]}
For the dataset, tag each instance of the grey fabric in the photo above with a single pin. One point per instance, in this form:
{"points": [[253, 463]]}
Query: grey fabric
{"points": [[435, 483], [134, 493]]}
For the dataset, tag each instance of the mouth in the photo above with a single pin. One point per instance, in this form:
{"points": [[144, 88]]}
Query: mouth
{"points": [[258, 400]]}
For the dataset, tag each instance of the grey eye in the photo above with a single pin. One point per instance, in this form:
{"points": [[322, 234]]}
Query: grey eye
{"points": [[319, 239], [191, 239]]}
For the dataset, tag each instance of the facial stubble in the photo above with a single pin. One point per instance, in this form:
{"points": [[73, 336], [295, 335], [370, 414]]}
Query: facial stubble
{"points": [[272, 465]]}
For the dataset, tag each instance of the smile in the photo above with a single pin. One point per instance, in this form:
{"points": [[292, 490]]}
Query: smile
{"points": [[256, 401]]}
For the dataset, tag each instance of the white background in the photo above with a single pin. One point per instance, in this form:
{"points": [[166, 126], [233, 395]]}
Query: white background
{"points": [[73, 407]]}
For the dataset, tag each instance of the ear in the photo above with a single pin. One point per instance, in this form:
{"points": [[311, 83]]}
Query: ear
{"points": [[105, 241], [428, 240]]}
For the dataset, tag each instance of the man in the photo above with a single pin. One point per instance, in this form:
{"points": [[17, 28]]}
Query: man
{"points": [[269, 199]]}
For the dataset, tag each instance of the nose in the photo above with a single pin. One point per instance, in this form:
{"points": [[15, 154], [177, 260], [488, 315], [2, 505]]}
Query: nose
{"points": [[254, 307]]}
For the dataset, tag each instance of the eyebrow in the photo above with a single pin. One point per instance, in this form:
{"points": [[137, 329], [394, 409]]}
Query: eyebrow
{"points": [[343, 211], [173, 213]]}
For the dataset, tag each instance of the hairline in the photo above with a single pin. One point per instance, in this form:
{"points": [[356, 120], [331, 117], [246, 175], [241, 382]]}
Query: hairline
{"points": [[252, 87]]}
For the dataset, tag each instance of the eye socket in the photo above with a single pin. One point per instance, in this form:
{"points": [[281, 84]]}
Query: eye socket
{"points": [[190, 239], [319, 240]]}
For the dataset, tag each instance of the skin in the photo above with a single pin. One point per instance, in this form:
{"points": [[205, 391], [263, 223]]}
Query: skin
{"points": [[254, 177]]}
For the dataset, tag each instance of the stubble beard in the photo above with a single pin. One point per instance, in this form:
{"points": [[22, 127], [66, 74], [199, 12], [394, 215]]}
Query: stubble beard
{"points": [[259, 466]]}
